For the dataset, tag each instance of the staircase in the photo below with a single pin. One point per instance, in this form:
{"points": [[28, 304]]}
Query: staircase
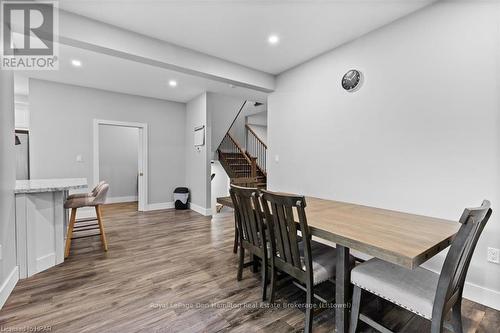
{"points": [[246, 167]]}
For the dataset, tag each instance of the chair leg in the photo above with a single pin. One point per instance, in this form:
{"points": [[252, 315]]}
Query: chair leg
{"points": [[273, 284], [456, 317], [378, 303], [101, 227], [356, 304], [255, 264], [241, 263], [235, 246], [309, 308], [69, 234], [265, 277]]}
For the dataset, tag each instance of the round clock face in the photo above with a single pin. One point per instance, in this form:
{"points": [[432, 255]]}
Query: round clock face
{"points": [[351, 80]]}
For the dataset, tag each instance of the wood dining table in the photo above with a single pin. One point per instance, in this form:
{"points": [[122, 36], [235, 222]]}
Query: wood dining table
{"points": [[404, 239]]}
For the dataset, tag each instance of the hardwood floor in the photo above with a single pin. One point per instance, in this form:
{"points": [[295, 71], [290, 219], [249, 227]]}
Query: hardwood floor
{"points": [[174, 271]]}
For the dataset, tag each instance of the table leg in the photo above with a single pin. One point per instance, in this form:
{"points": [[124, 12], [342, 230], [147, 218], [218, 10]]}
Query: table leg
{"points": [[342, 284]]}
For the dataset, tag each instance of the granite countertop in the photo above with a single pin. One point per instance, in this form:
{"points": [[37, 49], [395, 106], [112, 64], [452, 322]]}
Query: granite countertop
{"points": [[49, 185]]}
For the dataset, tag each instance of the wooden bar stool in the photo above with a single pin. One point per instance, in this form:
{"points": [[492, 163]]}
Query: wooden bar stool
{"points": [[95, 199]]}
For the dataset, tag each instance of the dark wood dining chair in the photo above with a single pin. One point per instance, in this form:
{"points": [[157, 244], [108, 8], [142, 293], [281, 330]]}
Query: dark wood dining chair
{"points": [[309, 262], [243, 182], [425, 293], [251, 231]]}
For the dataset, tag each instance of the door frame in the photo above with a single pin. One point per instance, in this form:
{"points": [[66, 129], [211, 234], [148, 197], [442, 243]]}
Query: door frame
{"points": [[142, 157]]}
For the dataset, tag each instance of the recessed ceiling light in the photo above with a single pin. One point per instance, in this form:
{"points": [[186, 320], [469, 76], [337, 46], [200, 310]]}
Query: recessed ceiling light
{"points": [[273, 39], [172, 83], [76, 63]]}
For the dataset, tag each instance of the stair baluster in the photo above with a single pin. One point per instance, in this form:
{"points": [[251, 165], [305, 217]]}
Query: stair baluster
{"points": [[235, 160], [256, 148]]}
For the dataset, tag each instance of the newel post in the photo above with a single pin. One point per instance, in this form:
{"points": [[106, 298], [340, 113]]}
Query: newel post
{"points": [[254, 167]]}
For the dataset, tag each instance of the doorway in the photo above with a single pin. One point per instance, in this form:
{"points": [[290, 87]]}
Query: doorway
{"points": [[22, 155], [120, 157]]}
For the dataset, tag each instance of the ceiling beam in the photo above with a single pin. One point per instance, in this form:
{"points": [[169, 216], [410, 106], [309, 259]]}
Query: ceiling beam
{"points": [[82, 32], [85, 33]]}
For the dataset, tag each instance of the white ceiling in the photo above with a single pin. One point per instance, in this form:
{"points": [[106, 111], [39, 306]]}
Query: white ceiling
{"points": [[237, 30], [106, 72]]}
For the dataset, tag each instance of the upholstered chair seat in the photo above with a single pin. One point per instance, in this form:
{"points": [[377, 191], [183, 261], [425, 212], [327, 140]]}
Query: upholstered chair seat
{"points": [[430, 295], [86, 200], [308, 262], [323, 261], [79, 200], [78, 195], [412, 289]]}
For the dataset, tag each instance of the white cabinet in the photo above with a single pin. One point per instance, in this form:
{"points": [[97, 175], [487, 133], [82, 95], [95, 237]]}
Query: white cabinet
{"points": [[41, 222]]}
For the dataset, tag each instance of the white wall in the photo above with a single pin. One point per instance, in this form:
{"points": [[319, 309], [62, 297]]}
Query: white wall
{"points": [[258, 123], [22, 157], [198, 159], [223, 109], [219, 185], [118, 161], [238, 130], [79, 31], [22, 117], [260, 131], [8, 268], [62, 128], [421, 135], [259, 119]]}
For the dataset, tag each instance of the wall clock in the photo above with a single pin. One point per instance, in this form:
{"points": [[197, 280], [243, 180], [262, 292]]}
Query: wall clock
{"points": [[351, 80]]}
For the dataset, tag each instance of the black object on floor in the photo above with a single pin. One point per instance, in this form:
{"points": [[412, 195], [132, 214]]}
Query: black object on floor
{"points": [[181, 198]]}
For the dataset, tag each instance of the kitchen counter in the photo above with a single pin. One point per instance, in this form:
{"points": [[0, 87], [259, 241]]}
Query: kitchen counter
{"points": [[41, 222], [49, 185]]}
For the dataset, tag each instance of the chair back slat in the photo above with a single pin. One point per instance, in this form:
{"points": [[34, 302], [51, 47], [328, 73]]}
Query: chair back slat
{"points": [[278, 210], [456, 264], [251, 221], [276, 230], [281, 221], [248, 215], [293, 237]]}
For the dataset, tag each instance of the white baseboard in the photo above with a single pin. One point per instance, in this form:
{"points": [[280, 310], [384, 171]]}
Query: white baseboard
{"points": [[85, 213], [121, 199], [160, 206], [45, 262], [478, 294], [200, 210], [482, 295], [8, 285], [88, 212]]}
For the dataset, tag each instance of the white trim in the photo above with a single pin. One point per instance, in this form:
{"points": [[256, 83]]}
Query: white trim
{"points": [[131, 198], [143, 156], [45, 262], [478, 294], [200, 210], [161, 205], [222, 216], [8, 285], [85, 213], [482, 295]]}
